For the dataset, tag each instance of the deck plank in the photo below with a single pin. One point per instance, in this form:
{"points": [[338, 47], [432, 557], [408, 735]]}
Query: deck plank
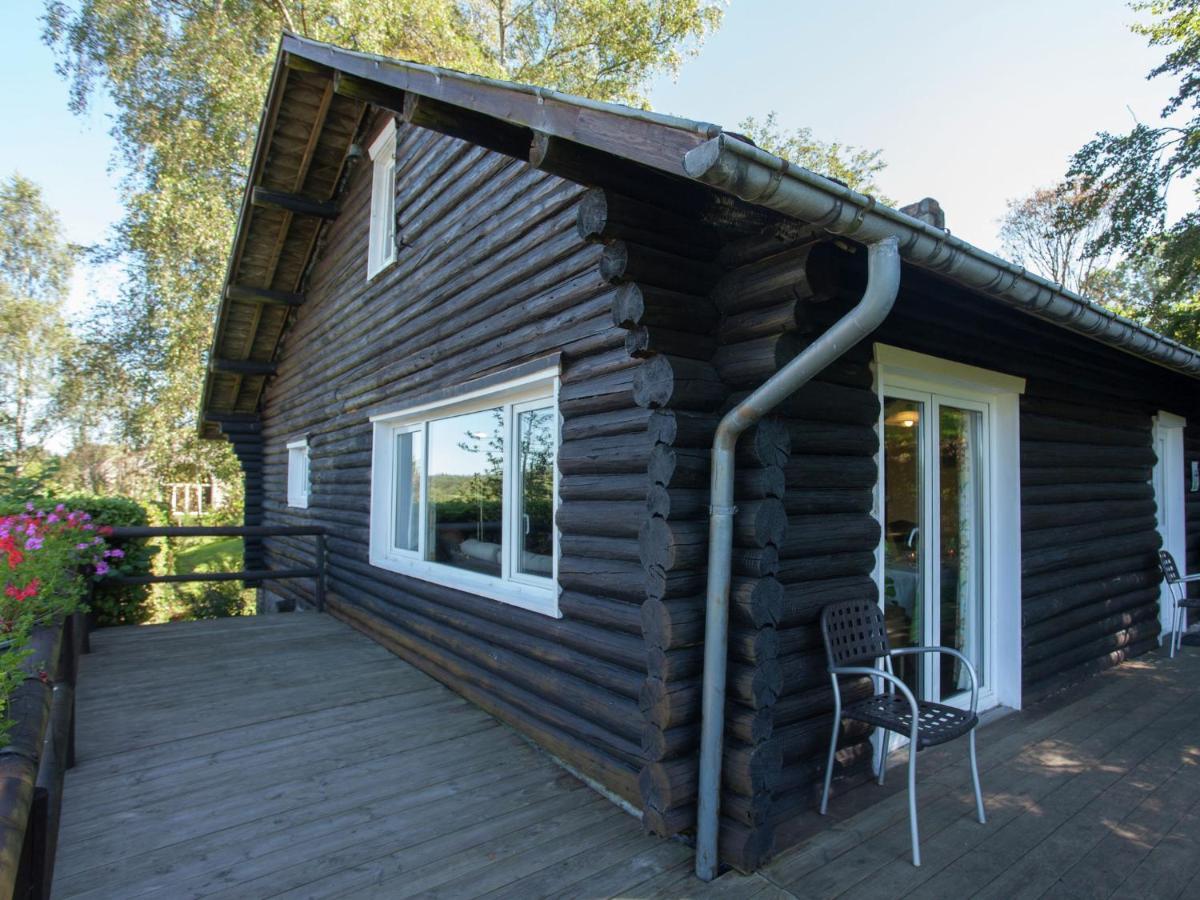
{"points": [[292, 755]]}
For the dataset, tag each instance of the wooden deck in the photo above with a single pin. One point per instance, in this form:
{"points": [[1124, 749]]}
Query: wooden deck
{"points": [[289, 755], [1094, 793]]}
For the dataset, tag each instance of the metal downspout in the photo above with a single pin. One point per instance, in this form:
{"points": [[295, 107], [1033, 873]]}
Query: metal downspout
{"points": [[883, 281]]}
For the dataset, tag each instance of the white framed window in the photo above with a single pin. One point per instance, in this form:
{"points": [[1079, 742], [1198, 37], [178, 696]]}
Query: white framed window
{"points": [[381, 249], [464, 491], [297, 473], [948, 503]]}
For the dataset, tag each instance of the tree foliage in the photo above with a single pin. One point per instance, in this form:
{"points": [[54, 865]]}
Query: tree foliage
{"points": [[1126, 177], [856, 167], [188, 79], [35, 267], [1054, 232]]}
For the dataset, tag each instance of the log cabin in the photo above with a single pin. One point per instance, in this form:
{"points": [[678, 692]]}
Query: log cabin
{"points": [[484, 334]]}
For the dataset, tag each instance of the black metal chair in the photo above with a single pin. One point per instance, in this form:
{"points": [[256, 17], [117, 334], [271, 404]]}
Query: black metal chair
{"points": [[1177, 585], [855, 642]]}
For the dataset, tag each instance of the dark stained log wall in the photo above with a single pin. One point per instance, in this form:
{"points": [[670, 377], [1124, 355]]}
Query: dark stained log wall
{"points": [[491, 273]]}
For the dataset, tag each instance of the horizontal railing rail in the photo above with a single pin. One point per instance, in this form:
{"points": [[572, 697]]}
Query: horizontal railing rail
{"points": [[316, 571]]}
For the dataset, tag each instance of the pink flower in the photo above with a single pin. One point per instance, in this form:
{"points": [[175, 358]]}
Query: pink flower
{"points": [[101, 567], [34, 543], [115, 553], [81, 546]]}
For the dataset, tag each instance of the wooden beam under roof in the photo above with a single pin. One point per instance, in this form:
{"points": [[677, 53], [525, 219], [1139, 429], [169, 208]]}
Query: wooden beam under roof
{"points": [[368, 91], [242, 366], [467, 125], [296, 204], [247, 294]]}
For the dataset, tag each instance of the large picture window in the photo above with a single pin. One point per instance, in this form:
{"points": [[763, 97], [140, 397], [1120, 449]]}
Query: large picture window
{"points": [[463, 492]]}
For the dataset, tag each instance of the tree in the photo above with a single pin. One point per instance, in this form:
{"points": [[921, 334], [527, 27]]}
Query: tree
{"points": [[1127, 176], [1054, 231], [188, 78], [856, 167], [35, 267]]}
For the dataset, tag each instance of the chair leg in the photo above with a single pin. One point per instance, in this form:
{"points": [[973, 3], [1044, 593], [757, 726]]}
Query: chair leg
{"points": [[912, 801], [975, 778], [829, 765], [1174, 631], [883, 754]]}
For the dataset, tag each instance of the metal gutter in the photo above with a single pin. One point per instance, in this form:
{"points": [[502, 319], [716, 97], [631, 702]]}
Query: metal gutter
{"points": [[758, 177], [883, 282]]}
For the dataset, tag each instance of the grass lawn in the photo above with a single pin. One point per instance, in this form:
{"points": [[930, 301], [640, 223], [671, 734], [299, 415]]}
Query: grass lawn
{"points": [[210, 555]]}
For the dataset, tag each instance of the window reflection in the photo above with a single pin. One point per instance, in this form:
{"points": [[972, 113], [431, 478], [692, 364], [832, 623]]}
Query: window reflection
{"points": [[535, 491], [466, 477]]}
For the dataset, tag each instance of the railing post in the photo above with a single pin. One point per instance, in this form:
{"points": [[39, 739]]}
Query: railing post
{"points": [[320, 565]]}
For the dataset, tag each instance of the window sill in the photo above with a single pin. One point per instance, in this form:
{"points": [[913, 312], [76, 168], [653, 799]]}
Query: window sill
{"points": [[535, 599]]}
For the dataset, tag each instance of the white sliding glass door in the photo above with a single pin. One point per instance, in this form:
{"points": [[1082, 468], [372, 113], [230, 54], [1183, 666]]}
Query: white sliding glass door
{"points": [[948, 503], [935, 467]]}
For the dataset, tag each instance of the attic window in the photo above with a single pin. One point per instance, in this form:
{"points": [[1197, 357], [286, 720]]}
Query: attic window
{"points": [[381, 251]]}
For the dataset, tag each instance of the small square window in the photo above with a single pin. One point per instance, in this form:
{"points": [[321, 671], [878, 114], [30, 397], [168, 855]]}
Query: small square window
{"points": [[297, 474], [381, 249]]}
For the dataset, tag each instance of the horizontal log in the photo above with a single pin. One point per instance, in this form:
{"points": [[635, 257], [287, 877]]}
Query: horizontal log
{"points": [[617, 518], [805, 501], [613, 454], [601, 610], [809, 536], [756, 602], [611, 578], [1034, 495], [1143, 610], [677, 382], [633, 420], [588, 486], [1046, 454], [1036, 427], [822, 400], [801, 603], [754, 645], [1074, 575], [831, 438], [623, 262], [1098, 528], [1053, 604], [790, 315], [643, 343], [1123, 644], [749, 364], [825, 472], [668, 623], [802, 273], [1035, 561], [1093, 475], [606, 215], [644, 305], [600, 546], [660, 746], [670, 705]]}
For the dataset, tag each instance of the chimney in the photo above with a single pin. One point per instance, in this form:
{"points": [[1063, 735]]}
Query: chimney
{"points": [[928, 211]]}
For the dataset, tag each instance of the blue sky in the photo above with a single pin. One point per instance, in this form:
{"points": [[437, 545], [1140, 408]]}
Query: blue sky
{"points": [[972, 103]]}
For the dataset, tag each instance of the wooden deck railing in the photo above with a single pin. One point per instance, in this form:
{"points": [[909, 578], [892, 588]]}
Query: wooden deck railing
{"points": [[41, 747], [316, 571]]}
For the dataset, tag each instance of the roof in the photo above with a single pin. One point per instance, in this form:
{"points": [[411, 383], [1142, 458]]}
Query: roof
{"points": [[315, 107]]}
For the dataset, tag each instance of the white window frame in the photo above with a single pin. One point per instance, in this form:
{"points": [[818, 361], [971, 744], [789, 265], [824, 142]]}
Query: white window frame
{"points": [[298, 474], [1170, 499], [899, 372], [533, 391], [381, 246]]}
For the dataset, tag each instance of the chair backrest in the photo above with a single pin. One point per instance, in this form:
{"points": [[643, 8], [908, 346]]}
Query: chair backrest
{"points": [[1166, 562], [854, 632]]}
